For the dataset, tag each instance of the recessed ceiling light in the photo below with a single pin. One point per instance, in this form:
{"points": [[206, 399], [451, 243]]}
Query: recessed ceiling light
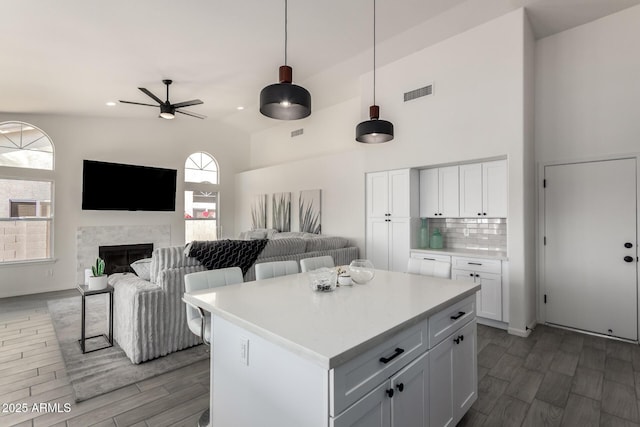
{"points": [[240, 107], [111, 104]]}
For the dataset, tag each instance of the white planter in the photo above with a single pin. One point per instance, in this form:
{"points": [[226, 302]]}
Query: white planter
{"points": [[99, 282]]}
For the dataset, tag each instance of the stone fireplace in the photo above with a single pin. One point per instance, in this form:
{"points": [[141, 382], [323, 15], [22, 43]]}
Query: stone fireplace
{"points": [[89, 239]]}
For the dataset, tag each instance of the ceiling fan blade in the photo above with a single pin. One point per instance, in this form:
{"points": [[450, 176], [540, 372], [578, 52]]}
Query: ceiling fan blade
{"points": [[150, 95], [138, 103], [188, 103], [189, 113]]}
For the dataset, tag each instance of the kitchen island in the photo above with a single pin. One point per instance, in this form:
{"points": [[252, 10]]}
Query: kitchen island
{"points": [[400, 348]]}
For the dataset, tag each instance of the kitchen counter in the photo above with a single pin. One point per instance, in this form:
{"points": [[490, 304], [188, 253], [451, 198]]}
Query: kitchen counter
{"points": [[474, 253], [331, 328]]}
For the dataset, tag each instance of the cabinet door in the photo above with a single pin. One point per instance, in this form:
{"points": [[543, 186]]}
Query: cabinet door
{"points": [[429, 193], [378, 242], [494, 188], [471, 190], [399, 244], [448, 191], [399, 193], [377, 194], [441, 384], [373, 410], [489, 299], [465, 374], [410, 403]]}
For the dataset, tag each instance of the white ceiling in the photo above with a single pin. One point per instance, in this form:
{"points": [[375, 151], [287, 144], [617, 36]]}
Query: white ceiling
{"points": [[72, 56]]}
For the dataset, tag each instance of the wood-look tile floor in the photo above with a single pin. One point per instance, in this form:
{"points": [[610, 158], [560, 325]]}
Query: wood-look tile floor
{"points": [[552, 378], [32, 373], [555, 377]]}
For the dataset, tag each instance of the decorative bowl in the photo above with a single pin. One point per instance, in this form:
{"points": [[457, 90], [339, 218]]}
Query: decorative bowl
{"points": [[361, 271], [323, 279]]}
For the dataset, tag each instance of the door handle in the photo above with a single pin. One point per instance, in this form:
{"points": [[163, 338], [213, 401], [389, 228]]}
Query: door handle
{"points": [[628, 258]]}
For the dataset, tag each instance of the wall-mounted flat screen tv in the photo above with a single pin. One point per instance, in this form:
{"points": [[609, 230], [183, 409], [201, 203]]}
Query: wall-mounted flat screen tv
{"points": [[120, 187]]}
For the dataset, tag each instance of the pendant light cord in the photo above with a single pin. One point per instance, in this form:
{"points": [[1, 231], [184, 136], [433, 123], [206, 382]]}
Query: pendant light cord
{"points": [[374, 52], [286, 14]]}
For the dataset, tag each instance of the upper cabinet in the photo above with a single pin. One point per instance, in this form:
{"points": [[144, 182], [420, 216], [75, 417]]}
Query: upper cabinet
{"points": [[392, 193], [483, 189], [439, 192]]}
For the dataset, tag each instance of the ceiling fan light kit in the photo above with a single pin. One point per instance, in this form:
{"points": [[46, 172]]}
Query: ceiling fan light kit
{"points": [[167, 109], [374, 130], [284, 100]]}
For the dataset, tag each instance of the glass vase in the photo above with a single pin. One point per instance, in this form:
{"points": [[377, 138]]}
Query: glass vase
{"points": [[424, 234]]}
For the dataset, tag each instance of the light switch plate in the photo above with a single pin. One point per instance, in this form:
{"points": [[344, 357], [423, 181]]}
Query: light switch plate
{"points": [[244, 351]]}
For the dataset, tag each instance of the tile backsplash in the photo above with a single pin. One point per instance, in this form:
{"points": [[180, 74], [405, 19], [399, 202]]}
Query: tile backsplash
{"points": [[482, 233]]}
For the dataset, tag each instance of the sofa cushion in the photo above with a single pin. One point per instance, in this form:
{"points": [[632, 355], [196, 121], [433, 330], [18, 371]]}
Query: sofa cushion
{"points": [[325, 243], [142, 268], [281, 247]]}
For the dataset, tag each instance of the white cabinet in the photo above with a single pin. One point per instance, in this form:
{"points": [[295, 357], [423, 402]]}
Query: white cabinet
{"points": [[389, 193], [483, 189], [439, 192], [391, 202], [487, 273], [402, 400], [453, 377]]}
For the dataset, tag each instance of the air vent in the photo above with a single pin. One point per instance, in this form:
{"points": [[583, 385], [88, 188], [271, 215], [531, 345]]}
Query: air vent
{"points": [[297, 132], [418, 93]]}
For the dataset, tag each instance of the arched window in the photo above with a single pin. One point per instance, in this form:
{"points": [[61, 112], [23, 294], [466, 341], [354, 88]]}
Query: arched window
{"points": [[26, 208], [201, 197]]}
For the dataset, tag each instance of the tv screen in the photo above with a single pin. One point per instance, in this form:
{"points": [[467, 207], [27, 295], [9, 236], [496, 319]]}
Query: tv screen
{"points": [[115, 186]]}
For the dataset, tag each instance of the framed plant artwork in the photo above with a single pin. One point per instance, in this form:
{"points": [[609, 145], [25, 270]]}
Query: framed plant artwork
{"points": [[309, 210], [259, 212], [281, 211]]}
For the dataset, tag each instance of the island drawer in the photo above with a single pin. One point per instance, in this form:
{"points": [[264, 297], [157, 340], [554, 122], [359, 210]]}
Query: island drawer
{"points": [[478, 265], [357, 377], [433, 257], [451, 318]]}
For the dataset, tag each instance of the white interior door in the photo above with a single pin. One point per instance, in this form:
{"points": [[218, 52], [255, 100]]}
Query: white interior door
{"points": [[590, 218]]}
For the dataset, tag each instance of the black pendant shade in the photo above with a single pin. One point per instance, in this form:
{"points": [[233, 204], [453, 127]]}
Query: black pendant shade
{"points": [[374, 131], [284, 100]]}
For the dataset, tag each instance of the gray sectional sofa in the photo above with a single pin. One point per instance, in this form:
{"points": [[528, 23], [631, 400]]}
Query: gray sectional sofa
{"points": [[149, 315]]}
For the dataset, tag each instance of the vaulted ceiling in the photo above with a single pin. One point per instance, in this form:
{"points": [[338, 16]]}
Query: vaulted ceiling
{"points": [[72, 56]]}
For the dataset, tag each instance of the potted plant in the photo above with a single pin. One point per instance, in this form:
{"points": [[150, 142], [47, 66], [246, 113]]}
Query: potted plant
{"points": [[98, 280]]}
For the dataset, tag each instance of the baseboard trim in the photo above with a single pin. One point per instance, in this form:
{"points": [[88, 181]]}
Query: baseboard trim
{"points": [[492, 323], [526, 332]]}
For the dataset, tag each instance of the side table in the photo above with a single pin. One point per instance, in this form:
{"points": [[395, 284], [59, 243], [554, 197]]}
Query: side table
{"points": [[85, 292]]}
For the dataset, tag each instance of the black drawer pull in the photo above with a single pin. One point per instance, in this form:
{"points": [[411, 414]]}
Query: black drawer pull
{"points": [[390, 392], [460, 338], [398, 352], [459, 315], [400, 387], [430, 259], [474, 263]]}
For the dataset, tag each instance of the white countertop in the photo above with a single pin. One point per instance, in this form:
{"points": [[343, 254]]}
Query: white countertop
{"points": [[474, 253], [330, 328]]}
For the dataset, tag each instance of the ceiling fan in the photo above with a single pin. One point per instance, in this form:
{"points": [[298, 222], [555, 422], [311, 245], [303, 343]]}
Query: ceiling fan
{"points": [[167, 109]]}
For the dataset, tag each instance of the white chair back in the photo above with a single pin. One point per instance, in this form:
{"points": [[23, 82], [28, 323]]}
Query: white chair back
{"points": [[207, 280], [267, 270], [309, 264], [428, 267]]}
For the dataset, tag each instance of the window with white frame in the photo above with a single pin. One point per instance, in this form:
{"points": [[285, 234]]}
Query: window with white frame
{"points": [[26, 190], [201, 197]]}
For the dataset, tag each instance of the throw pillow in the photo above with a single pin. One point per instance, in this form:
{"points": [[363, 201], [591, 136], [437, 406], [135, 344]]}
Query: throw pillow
{"points": [[142, 267]]}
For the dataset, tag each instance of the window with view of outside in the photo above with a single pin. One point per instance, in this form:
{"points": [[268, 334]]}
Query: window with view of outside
{"points": [[201, 197], [26, 211]]}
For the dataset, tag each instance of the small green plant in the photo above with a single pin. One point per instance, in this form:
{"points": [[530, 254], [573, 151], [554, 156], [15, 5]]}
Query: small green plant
{"points": [[98, 269]]}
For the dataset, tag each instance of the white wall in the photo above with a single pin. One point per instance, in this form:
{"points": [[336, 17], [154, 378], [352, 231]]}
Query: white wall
{"points": [[477, 112], [150, 142], [588, 90]]}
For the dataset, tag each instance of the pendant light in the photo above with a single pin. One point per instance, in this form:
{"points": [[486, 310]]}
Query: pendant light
{"points": [[374, 130], [284, 100]]}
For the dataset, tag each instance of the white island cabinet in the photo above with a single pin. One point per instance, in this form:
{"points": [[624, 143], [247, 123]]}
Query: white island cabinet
{"points": [[284, 355]]}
